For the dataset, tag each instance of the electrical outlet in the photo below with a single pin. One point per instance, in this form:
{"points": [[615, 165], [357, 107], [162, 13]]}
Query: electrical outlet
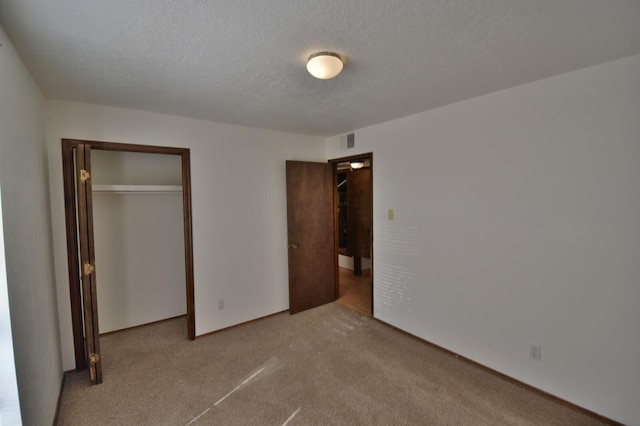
{"points": [[220, 304], [535, 352]]}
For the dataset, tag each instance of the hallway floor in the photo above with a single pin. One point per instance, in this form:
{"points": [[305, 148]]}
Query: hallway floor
{"points": [[356, 292]]}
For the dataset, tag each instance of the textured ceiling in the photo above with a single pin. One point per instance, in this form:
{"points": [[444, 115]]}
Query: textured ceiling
{"points": [[243, 61]]}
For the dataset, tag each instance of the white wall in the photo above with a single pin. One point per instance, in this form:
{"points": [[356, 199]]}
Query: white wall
{"points": [[135, 168], [27, 239], [239, 205], [139, 240], [9, 397], [517, 223], [139, 258], [347, 262]]}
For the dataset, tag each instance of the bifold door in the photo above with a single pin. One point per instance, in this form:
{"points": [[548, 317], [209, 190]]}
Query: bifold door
{"points": [[87, 262]]}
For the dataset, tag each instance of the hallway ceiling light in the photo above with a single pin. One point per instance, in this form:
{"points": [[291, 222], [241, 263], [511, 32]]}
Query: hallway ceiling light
{"points": [[357, 164], [324, 65]]}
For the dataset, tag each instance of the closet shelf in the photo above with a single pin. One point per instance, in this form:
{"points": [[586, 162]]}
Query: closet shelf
{"points": [[137, 188]]}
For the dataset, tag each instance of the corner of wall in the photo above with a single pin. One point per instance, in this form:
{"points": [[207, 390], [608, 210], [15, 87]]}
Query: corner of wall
{"points": [[28, 239]]}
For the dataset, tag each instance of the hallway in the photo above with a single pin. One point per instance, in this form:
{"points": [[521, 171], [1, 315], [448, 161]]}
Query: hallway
{"points": [[356, 292]]}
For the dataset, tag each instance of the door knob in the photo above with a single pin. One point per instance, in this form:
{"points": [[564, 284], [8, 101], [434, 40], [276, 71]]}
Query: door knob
{"points": [[293, 246]]}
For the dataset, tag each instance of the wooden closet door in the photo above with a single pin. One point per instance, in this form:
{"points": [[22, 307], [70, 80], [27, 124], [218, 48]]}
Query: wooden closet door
{"points": [[87, 262]]}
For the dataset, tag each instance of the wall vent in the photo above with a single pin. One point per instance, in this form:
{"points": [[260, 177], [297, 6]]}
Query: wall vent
{"points": [[351, 140]]}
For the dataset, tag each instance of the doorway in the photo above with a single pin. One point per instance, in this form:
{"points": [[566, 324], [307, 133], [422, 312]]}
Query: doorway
{"points": [[76, 213], [353, 185], [313, 234]]}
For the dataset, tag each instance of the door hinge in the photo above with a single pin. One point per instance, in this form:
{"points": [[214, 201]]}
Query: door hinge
{"points": [[88, 268], [93, 360], [84, 175]]}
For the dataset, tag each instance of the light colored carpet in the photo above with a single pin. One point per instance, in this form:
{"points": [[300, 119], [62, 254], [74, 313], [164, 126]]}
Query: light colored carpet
{"points": [[326, 366]]}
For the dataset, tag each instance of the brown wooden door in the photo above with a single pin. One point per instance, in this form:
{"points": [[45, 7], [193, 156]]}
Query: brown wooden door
{"points": [[87, 262], [310, 233], [359, 203]]}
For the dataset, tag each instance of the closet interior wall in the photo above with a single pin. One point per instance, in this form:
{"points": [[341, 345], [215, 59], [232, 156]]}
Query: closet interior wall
{"points": [[139, 238]]}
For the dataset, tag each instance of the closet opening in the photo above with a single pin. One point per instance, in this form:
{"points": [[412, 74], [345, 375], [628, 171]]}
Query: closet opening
{"points": [[128, 209]]}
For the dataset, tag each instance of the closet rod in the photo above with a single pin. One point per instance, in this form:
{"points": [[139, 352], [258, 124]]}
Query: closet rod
{"points": [[137, 188]]}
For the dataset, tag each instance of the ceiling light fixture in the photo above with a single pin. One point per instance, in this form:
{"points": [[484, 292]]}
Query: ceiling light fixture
{"points": [[324, 65], [357, 164]]}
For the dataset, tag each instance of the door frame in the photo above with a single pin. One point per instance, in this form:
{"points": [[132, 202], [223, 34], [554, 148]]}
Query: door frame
{"points": [[334, 162], [70, 204]]}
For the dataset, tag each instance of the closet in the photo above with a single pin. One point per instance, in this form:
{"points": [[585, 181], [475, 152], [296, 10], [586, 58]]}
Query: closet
{"points": [[139, 242], [129, 240]]}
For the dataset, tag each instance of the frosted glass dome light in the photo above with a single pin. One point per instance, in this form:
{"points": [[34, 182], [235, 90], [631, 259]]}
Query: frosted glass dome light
{"points": [[324, 65]]}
